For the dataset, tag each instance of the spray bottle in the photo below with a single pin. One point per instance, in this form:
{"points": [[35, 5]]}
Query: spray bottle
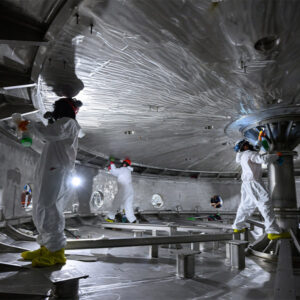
{"points": [[22, 130], [263, 141]]}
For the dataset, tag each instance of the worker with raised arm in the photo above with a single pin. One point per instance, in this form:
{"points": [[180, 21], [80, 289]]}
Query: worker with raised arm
{"points": [[253, 191], [124, 196], [51, 184]]}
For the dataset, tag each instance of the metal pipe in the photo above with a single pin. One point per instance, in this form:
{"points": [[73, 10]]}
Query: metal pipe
{"points": [[138, 227], [129, 242], [256, 223]]}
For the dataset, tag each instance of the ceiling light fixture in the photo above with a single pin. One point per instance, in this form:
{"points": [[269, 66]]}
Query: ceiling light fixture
{"points": [[76, 181]]}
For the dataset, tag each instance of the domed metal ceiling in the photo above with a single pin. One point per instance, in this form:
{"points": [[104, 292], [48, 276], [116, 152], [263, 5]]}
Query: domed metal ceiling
{"points": [[161, 80]]}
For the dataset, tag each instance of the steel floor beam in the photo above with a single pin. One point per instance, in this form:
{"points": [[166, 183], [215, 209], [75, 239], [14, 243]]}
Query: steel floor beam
{"points": [[129, 242]]}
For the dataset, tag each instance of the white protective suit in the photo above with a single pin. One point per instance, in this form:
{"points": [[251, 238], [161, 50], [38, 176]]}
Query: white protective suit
{"points": [[51, 188], [253, 191], [124, 197]]}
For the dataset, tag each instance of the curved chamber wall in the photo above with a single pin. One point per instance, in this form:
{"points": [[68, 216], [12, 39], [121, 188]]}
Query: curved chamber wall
{"points": [[18, 165]]}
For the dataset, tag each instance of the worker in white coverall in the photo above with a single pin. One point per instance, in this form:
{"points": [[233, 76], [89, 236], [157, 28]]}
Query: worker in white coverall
{"points": [[124, 197], [253, 191], [52, 180]]}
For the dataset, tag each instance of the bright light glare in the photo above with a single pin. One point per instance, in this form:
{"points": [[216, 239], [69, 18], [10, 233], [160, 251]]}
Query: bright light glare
{"points": [[76, 181]]}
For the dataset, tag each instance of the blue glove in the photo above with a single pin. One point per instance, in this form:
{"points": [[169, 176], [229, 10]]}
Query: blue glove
{"points": [[236, 148]]}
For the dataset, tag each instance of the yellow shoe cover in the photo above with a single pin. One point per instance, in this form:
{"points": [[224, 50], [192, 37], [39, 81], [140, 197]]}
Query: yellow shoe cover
{"points": [[239, 230], [277, 236], [48, 259], [30, 255], [109, 220]]}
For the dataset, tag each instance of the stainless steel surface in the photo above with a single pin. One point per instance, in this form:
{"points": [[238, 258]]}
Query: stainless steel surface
{"points": [[153, 251], [281, 125], [138, 233], [17, 234], [10, 248], [194, 246], [185, 263], [295, 240], [228, 251], [12, 261], [66, 290], [181, 86], [201, 227], [128, 242], [283, 191], [175, 72], [237, 253], [282, 183], [23, 43], [146, 227], [267, 256], [129, 273], [20, 86], [285, 285], [256, 223], [66, 283]]}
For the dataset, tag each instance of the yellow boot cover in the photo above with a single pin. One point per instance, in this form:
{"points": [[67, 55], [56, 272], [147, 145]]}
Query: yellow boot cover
{"points": [[48, 258], [109, 220], [277, 236], [239, 230], [30, 255]]}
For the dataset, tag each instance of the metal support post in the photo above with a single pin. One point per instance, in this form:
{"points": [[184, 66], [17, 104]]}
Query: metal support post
{"points": [[283, 191], [245, 235], [173, 231], [284, 287], [153, 251], [215, 245], [228, 252], [194, 246], [185, 263], [237, 253], [236, 236], [65, 283], [138, 233]]}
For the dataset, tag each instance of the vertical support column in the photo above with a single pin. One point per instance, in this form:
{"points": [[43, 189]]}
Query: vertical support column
{"points": [[196, 245], [245, 235], [173, 230], [285, 284], [138, 233], [215, 245], [237, 253], [228, 251], [185, 264], [153, 251], [236, 236], [283, 191]]}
